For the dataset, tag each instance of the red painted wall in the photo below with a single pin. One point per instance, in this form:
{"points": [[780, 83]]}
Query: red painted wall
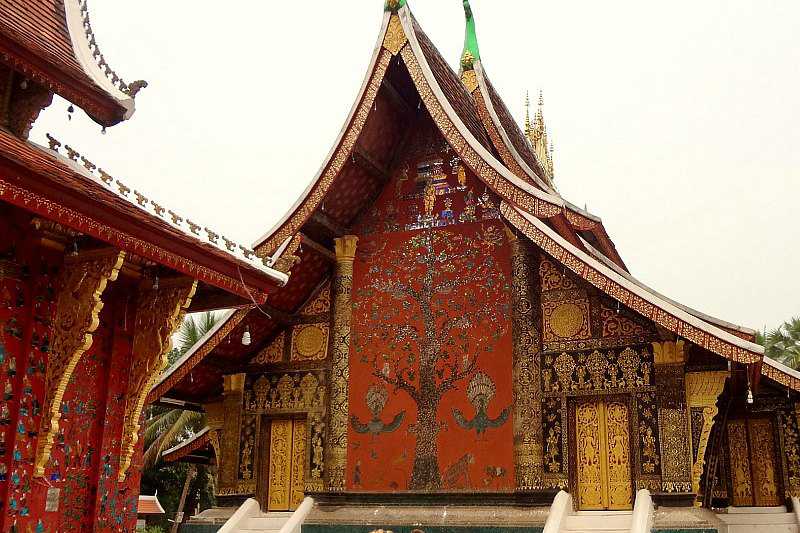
{"points": [[430, 361], [85, 457]]}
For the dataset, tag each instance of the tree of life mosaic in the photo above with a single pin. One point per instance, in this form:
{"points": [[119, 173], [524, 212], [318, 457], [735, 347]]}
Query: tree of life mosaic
{"points": [[431, 364]]}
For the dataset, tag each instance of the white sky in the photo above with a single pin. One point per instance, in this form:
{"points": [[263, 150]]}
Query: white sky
{"points": [[676, 122]]}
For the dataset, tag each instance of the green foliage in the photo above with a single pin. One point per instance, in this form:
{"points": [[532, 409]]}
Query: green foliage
{"points": [[153, 529], [165, 428], [168, 480], [783, 343]]}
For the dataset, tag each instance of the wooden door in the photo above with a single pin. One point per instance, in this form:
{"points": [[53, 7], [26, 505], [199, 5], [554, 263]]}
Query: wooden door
{"points": [[603, 455], [287, 453], [753, 470]]}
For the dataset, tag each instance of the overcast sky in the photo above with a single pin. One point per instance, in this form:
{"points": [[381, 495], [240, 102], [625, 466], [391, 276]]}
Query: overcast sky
{"points": [[676, 122]]}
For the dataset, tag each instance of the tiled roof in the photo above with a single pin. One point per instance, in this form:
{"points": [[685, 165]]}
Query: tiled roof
{"points": [[452, 88], [66, 174], [149, 505], [40, 26]]}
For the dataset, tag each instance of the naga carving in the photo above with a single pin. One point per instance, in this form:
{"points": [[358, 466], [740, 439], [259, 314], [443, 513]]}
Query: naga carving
{"points": [[159, 312], [83, 281]]}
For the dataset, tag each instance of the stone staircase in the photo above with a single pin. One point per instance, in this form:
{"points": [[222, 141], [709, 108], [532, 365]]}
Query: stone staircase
{"points": [[264, 522], [598, 522], [760, 520]]}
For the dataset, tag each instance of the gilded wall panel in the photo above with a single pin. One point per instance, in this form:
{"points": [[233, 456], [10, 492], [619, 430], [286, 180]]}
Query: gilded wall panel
{"points": [[310, 342], [791, 449], [676, 472], [613, 370], [554, 443], [282, 393], [273, 353], [247, 446], [648, 450]]}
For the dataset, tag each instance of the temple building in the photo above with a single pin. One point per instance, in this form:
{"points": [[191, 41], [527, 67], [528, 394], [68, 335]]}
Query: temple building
{"points": [[94, 279], [455, 332]]}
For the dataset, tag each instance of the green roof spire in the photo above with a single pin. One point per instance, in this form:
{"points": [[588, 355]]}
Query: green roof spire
{"points": [[471, 52], [393, 5]]}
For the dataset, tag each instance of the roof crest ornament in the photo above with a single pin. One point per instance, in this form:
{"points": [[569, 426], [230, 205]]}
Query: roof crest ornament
{"points": [[536, 133], [130, 89], [471, 51], [139, 200], [394, 5]]}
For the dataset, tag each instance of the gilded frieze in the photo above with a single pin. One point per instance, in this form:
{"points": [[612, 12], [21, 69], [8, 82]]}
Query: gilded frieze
{"points": [[290, 392], [620, 369]]}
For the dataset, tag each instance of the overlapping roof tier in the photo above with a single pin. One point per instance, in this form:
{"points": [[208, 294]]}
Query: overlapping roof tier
{"points": [[52, 43], [407, 79], [83, 198]]}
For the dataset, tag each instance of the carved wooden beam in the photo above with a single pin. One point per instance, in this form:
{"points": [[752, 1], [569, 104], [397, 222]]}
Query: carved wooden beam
{"points": [[394, 95], [78, 307], [319, 248], [159, 312], [336, 229], [702, 391], [366, 161]]}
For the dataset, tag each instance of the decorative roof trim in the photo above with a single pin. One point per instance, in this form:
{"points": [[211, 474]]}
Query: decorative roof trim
{"points": [[312, 197], [487, 99], [631, 295], [196, 353], [478, 159], [84, 45], [87, 169], [699, 314], [195, 442], [780, 373], [149, 500]]}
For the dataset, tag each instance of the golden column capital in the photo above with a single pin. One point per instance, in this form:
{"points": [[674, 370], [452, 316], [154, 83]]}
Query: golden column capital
{"points": [[669, 353], [346, 248]]}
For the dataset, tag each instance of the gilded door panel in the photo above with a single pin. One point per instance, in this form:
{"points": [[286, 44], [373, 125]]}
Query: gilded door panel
{"points": [[280, 452], [739, 455], [589, 438], [765, 478], [298, 463], [618, 456]]}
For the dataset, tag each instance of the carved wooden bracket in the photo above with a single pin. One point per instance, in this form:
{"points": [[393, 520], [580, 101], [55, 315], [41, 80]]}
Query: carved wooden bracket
{"points": [[702, 390], [82, 283], [159, 312]]}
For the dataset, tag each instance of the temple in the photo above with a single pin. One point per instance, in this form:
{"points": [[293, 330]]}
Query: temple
{"points": [[439, 338], [94, 279], [467, 336]]}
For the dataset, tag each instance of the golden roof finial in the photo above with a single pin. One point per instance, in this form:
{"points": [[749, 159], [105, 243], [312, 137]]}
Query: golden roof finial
{"points": [[528, 130]]}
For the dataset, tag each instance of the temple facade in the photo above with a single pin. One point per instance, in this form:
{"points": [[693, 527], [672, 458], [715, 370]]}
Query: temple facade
{"points": [[455, 331], [94, 279]]}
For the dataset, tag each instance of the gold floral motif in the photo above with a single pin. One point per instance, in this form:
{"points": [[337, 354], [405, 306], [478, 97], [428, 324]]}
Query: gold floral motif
{"points": [[273, 353], [553, 278], [77, 316], [395, 37], [280, 465], [567, 320], [310, 342], [676, 472], [159, 312], [320, 304]]}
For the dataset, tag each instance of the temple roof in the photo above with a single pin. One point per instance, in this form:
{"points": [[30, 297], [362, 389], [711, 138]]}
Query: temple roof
{"points": [[408, 77], [187, 450], [81, 197], [149, 505], [51, 42]]}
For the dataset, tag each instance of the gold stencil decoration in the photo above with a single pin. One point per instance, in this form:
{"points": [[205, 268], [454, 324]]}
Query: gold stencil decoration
{"points": [[395, 36], [77, 316], [273, 353], [310, 342], [159, 312], [552, 278], [320, 304], [567, 320]]}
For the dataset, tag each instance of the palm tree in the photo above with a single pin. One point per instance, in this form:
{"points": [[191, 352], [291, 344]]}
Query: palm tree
{"points": [[783, 343], [167, 427]]}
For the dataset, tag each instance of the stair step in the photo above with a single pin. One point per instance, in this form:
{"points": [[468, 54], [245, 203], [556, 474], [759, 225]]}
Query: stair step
{"points": [[598, 521], [757, 519], [266, 522]]}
